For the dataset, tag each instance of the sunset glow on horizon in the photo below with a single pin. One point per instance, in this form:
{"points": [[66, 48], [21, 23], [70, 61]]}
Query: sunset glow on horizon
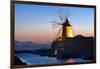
{"points": [[33, 22]]}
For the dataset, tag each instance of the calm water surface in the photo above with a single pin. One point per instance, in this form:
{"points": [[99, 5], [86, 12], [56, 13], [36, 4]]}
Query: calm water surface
{"points": [[36, 59]]}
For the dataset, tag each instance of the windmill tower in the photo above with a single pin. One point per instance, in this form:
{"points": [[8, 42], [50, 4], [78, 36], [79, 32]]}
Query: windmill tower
{"points": [[66, 27], [65, 31]]}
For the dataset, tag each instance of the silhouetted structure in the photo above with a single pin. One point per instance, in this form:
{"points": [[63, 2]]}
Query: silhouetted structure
{"points": [[74, 47]]}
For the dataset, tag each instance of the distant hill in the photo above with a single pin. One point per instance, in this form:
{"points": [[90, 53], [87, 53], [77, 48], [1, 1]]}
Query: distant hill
{"points": [[28, 45], [81, 36]]}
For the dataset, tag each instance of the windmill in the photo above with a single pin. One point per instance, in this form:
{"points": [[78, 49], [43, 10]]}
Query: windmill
{"points": [[65, 28]]}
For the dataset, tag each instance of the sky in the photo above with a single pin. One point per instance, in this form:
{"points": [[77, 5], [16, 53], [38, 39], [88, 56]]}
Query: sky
{"points": [[33, 22]]}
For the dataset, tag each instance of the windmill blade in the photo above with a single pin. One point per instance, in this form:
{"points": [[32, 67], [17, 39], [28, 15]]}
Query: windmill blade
{"points": [[60, 15], [58, 33], [68, 13], [63, 14], [55, 24]]}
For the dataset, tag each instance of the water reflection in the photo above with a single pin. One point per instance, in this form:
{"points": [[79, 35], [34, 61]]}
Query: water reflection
{"points": [[36, 59]]}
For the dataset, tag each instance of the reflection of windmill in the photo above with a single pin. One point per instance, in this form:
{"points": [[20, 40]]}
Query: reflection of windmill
{"points": [[65, 26]]}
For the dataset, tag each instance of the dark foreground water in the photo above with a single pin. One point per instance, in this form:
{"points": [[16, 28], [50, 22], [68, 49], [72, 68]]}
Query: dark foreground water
{"points": [[30, 59]]}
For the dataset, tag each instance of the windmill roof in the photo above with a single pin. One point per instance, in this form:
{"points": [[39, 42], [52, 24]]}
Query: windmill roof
{"points": [[67, 23]]}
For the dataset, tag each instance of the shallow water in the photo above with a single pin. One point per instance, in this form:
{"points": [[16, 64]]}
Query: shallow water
{"points": [[36, 59]]}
